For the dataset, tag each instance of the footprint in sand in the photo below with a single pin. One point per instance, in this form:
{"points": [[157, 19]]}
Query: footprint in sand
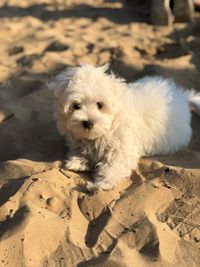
{"points": [[56, 46], [183, 217]]}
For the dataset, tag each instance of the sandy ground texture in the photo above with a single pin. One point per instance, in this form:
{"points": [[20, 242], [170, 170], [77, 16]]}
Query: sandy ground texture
{"points": [[47, 217]]}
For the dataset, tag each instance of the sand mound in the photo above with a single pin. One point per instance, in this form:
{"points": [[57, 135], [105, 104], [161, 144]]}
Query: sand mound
{"points": [[47, 218]]}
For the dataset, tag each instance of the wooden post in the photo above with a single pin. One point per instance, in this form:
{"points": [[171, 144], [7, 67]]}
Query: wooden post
{"points": [[184, 10], [161, 13]]}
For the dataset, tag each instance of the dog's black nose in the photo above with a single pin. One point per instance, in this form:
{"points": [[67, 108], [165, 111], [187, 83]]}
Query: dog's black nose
{"points": [[88, 125]]}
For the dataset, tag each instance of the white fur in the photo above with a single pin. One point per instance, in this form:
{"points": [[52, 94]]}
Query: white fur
{"points": [[148, 117]]}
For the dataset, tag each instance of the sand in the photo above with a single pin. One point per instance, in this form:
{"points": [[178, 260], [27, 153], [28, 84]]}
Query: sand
{"points": [[47, 218]]}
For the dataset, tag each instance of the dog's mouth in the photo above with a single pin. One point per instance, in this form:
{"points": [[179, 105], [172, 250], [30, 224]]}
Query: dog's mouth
{"points": [[89, 134], [87, 129]]}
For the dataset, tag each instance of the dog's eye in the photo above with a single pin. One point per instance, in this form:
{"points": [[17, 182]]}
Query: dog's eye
{"points": [[100, 105], [76, 106]]}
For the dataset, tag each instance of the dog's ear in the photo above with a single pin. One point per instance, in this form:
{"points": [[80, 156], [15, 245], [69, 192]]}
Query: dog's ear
{"points": [[62, 80]]}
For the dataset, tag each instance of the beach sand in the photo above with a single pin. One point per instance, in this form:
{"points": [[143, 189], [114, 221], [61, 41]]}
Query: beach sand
{"points": [[47, 217]]}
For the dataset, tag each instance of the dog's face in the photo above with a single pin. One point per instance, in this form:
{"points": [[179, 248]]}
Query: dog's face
{"points": [[88, 101]]}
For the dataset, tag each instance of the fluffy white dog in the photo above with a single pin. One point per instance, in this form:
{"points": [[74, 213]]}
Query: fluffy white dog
{"points": [[109, 124]]}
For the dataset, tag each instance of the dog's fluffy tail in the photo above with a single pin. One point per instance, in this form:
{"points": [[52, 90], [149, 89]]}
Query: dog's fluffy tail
{"points": [[194, 100]]}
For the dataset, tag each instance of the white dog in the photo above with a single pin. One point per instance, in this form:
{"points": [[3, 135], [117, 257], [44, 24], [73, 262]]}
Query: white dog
{"points": [[109, 124]]}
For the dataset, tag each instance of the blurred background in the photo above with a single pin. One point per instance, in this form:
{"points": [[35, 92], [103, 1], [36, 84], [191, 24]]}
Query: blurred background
{"points": [[40, 38]]}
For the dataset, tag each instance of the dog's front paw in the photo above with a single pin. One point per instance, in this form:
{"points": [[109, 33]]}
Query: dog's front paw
{"points": [[76, 164]]}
